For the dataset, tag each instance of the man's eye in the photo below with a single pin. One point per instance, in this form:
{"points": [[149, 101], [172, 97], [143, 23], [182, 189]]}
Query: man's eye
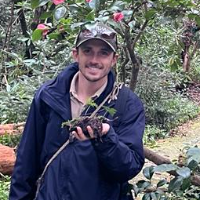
{"points": [[86, 51], [104, 53]]}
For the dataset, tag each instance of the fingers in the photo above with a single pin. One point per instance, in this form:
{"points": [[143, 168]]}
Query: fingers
{"points": [[79, 134], [90, 131], [105, 128]]}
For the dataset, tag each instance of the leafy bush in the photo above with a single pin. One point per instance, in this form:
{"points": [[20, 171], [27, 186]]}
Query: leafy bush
{"points": [[152, 133], [177, 188], [164, 107], [10, 140], [15, 101], [4, 187]]}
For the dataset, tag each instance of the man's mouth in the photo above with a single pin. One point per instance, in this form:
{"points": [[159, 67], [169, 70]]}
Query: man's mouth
{"points": [[94, 66]]}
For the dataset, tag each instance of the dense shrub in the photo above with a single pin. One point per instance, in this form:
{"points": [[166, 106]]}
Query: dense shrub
{"points": [[4, 187]]}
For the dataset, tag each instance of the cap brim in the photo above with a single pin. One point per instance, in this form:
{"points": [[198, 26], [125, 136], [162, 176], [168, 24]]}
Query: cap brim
{"points": [[98, 38]]}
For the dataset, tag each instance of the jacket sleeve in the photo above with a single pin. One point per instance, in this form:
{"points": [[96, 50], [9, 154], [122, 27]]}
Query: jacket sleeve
{"points": [[121, 152], [27, 166]]}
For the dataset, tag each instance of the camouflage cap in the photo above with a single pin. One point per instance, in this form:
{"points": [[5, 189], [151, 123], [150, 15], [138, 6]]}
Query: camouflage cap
{"points": [[98, 31]]}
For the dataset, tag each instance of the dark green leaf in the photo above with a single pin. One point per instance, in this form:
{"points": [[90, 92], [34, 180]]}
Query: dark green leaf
{"points": [[60, 12], [37, 35], [34, 4], [175, 184], [153, 196], [184, 172], [146, 197], [150, 14], [186, 184], [192, 164], [192, 16], [161, 183], [148, 172], [143, 184], [46, 15]]}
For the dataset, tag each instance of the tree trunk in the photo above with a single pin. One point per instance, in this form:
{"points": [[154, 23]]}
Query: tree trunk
{"points": [[7, 159], [134, 75]]}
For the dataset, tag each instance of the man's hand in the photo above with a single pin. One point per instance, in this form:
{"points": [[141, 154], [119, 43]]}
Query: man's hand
{"points": [[80, 135]]}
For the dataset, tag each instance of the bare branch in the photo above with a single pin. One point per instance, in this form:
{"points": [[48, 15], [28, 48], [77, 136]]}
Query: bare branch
{"points": [[140, 33]]}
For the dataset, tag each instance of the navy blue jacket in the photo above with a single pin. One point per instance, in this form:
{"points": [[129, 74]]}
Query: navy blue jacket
{"points": [[84, 170]]}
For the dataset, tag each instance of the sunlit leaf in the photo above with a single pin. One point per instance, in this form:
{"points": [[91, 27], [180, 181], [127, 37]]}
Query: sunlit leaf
{"points": [[43, 2], [60, 12], [184, 172], [37, 35], [165, 168]]}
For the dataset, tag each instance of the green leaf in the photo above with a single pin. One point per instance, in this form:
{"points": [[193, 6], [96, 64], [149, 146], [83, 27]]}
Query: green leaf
{"points": [[90, 16], [147, 196], [55, 36], [150, 14], [184, 172], [186, 184], [46, 15], [193, 154], [111, 111], [192, 16], [161, 183], [143, 184], [37, 35], [60, 12], [148, 172], [153, 196], [90, 102], [192, 164], [117, 6], [127, 13], [175, 184], [197, 19], [165, 168], [34, 4]]}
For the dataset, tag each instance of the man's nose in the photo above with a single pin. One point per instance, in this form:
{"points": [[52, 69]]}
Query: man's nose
{"points": [[94, 59]]}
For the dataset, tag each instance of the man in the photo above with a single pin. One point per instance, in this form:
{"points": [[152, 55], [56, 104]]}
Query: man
{"points": [[87, 168]]}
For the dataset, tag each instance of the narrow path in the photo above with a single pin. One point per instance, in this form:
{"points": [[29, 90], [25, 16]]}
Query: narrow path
{"points": [[188, 135]]}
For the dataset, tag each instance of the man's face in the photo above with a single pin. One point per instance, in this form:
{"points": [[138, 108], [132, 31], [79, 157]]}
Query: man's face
{"points": [[95, 60]]}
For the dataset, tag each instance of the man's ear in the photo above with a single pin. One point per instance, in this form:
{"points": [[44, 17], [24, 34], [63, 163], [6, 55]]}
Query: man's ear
{"points": [[75, 54], [114, 61]]}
